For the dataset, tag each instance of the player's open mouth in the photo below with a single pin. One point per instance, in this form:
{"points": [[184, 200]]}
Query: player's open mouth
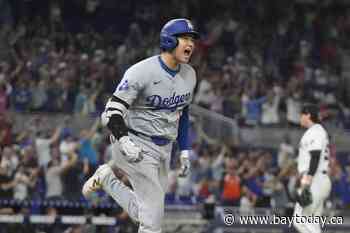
{"points": [[188, 52]]}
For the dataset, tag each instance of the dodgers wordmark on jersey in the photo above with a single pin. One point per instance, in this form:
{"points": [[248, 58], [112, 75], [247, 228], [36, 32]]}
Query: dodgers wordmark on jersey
{"points": [[156, 98], [315, 138]]}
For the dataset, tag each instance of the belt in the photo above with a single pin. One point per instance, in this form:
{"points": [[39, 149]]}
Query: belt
{"points": [[158, 140]]}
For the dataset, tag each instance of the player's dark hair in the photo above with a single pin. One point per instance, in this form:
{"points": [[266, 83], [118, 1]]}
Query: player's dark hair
{"points": [[313, 110]]}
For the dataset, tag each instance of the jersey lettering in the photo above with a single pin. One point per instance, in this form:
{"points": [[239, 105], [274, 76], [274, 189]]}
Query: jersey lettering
{"points": [[168, 102]]}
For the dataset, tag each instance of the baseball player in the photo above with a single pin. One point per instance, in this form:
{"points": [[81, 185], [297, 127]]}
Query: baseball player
{"points": [[314, 184], [146, 114]]}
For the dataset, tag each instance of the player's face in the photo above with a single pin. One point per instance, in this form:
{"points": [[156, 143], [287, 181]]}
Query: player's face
{"points": [[184, 50], [304, 118]]}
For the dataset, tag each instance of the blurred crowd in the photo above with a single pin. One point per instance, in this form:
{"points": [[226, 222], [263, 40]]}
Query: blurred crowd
{"points": [[51, 162], [43, 168], [257, 62]]}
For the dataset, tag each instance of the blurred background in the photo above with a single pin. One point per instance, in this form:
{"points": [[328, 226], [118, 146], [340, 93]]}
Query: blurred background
{"points": [[257, 62]]}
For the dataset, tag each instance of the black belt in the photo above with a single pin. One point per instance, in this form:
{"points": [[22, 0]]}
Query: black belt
{"points": [[158, 140]]}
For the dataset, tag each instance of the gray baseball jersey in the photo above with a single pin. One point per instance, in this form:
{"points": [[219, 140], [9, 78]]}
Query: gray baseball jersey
{"points": [[156, 98]]}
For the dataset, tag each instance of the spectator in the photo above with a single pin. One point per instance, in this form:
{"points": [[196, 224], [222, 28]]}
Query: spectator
{"points": [[84, 102], [43, 143], [217, 101], [67, 144], [218, 169], [294, 109], [286, 152], [253, 109], [5, 130], [27, 174], [274, 188], [270, 113], [72, 177], [231, 184], [204, 94], [86, 149], [341, 186], [22, 97], [9, 160], [6, 182], [40, 96], [53, 179], [55, 171], [253, 178], [25, 179], [5, 93], [247, 202]]}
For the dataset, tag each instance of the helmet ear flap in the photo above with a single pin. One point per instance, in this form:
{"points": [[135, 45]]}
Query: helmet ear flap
{"points": [[168, 42]]}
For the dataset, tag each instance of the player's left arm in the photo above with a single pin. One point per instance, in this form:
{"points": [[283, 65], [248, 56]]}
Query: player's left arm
{"points": [[314, 148], [183, 142], [183, 131], [116, 109], [306, 178]]}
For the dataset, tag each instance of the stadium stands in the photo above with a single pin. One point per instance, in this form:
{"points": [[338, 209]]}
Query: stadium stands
{"points": [[256, 64]]}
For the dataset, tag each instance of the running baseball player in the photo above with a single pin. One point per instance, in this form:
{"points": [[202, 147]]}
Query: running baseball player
{"points": [[315, 185], [146, 114]]}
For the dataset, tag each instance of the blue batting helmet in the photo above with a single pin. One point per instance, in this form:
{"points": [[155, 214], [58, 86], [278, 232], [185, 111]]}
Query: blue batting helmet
{"points": [[173, 28]]}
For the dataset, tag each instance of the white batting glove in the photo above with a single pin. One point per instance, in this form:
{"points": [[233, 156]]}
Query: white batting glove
{"points": [[185, 163], [130, 150]]}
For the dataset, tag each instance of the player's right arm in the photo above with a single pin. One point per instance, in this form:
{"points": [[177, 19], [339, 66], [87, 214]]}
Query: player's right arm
{"points": [[123, 97], [116, 110], [113, 117]]}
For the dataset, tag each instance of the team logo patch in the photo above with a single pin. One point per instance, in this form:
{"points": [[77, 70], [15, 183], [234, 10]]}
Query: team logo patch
{"points": [[189, 25], [123, 86]]}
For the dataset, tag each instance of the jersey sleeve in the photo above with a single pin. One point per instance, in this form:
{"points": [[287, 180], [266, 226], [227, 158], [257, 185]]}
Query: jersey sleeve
{"points": [[314, 141], [130, 85], [184, 125], [194, 82]]}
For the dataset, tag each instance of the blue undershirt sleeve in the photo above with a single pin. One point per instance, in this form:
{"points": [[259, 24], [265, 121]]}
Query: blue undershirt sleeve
{"points": [[184, 125]]}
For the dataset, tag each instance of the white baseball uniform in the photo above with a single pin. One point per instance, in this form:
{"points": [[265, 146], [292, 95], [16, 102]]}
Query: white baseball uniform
{"points": [[315, 138], [157, 97]]}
